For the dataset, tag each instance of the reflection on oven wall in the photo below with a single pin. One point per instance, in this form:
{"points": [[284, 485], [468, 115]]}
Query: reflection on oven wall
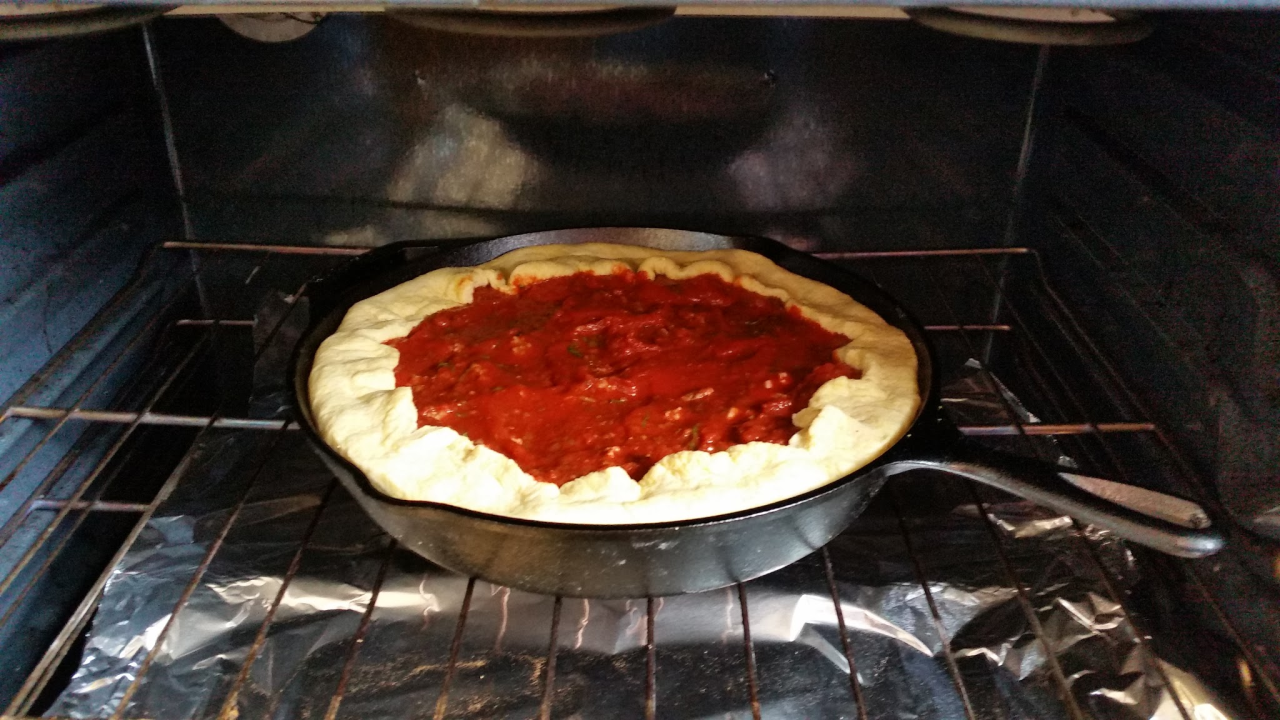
{"points": [[368, 130]]}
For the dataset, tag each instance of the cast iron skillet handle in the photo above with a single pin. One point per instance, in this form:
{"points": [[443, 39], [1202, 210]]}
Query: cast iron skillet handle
{"points": [[1167, 523]]}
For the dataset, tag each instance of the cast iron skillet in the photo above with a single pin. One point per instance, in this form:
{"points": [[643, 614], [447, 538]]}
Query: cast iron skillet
{"points": [[688, 556]]}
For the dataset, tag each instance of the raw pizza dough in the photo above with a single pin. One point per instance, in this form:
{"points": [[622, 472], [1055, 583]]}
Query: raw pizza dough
{"points": [[374, 424]]}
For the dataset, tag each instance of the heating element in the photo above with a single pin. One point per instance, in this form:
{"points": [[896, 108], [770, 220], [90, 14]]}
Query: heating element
{"points": [[177, 411]]}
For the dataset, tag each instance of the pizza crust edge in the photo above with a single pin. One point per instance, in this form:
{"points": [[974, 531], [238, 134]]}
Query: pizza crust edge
{"points": [[848, 423]]}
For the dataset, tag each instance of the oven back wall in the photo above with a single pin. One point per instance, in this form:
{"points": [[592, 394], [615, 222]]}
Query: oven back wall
{"points": [[876, 133]]}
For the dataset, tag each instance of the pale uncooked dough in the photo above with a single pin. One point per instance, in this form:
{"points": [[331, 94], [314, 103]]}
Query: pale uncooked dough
{"points": [[374, 424]]}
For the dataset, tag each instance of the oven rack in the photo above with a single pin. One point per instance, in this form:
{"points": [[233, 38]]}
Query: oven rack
{"points": [[963, 296]]}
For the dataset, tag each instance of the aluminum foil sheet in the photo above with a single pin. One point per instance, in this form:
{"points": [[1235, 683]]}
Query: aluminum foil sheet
{"points": [[952, 606]]}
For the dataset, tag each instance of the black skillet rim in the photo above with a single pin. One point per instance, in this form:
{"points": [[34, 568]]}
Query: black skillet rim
{"points": [[929, 411]]}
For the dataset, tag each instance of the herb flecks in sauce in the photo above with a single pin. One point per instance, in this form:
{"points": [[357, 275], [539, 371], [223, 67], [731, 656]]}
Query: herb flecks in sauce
{"points": [[578, 373]]}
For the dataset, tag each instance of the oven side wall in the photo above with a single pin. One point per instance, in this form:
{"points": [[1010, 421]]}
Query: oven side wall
{"points": [[1155, 196], [84, 189], [85, 192]]}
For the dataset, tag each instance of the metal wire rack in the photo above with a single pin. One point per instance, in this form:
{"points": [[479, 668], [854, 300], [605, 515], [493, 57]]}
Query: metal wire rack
{"points": [[992, 305]]}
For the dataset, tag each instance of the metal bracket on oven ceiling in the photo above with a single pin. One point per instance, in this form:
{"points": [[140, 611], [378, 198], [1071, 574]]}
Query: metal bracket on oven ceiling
{"points": [[25, 22], [1037, 26]]}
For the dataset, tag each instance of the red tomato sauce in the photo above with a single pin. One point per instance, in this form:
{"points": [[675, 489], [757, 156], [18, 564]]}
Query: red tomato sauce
{"points": [[575, 374]]}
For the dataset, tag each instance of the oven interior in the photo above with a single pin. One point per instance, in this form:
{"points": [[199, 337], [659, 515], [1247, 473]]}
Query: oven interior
{"points": [[1088, 233]]}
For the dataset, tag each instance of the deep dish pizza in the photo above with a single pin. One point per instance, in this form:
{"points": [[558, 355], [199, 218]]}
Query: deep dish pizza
{"points": [[609, 384]]}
